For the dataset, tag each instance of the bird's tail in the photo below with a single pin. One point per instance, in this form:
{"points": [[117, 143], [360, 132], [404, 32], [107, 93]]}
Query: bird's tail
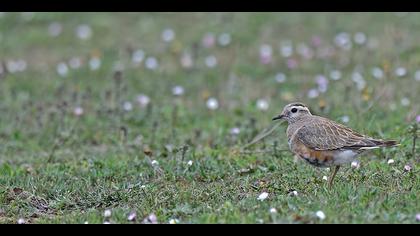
{"points": [[375, 143]]}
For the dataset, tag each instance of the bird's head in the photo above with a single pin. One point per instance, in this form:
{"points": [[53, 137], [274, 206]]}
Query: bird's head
{"points": [[293, 112]]}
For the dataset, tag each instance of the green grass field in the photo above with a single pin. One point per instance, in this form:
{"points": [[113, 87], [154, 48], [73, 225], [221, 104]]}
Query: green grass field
{"points": [[149, 113]]}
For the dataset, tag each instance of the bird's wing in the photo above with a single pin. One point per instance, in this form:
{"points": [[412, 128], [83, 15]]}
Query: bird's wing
{"points": [[323, 134]]}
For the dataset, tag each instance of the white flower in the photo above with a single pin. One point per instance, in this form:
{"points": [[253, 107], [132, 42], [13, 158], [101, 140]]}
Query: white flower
{"points": [[262, 104], [143, 100], [224, 39], [190, 162], [138, 56], [266, 50], [212, 104], [152, 63], [107, 213], [360, 38], [94, 63], [262, 196], [400, 72], [320, 215], [313, 93], [62, 69], [377, 72], [355, 164], [173, 221], [335, 74], [55, 29], [78, 111], [345, 119], [107, 223], [391, 161], [418, 217], [293, 193], [417, 75], [132, 216], [178, 90], [155, 163], [273, 210], [211, 61], [168, 35], [325, 177], [128, 106], [235, 131], [343, 41], [280, 78], [286, 48], [407, 168], [86, 222], [151, 219], [83, 32], [405, 102], [21, 221]]}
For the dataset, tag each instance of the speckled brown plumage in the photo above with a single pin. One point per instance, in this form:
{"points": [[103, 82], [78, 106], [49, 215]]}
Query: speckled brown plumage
{"points": [[322, 142]]}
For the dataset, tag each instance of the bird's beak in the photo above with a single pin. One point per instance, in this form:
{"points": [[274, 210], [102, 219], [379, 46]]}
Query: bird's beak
{"points": [[278, 117]]}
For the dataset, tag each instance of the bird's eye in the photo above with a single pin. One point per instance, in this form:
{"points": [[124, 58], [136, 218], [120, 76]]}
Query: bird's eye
{"points": [[294, 110]]}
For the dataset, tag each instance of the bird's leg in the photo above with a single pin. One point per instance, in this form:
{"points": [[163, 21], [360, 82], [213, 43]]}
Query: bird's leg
{"points": [[330, 181]]}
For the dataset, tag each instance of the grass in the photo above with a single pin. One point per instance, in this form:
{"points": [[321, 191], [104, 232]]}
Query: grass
{"points": [[56, 167]]}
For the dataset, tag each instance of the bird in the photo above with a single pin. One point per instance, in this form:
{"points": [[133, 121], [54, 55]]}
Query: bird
{"points": [[322, 142]]}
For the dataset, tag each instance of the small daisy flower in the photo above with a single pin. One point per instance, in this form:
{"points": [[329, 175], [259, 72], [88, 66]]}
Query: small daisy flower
{"points": [[342, 40], [360, 38], [391, 161], [132, 216], [151, 219], [313, 93], [377, 73], [128, 106], [280, 78], [266, 53], [152, 63], [21, 221], [417, 75], [335, 74], [407, 168], [320, 215], [55, 29], [84, 32], [224, 39], [178, 90], [212, 104], [78, 111], [138, 56], [62, 69], [273, 210], [325, 177], [405, 102], [211, 61], [262, 104], [293, 193], [262, 196], [286, 49], [94, 63], [234, 131], [168, 35], [190, 162], [345, 119], [400, 72], [143, 100], [173, 221], [107, 213]]}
